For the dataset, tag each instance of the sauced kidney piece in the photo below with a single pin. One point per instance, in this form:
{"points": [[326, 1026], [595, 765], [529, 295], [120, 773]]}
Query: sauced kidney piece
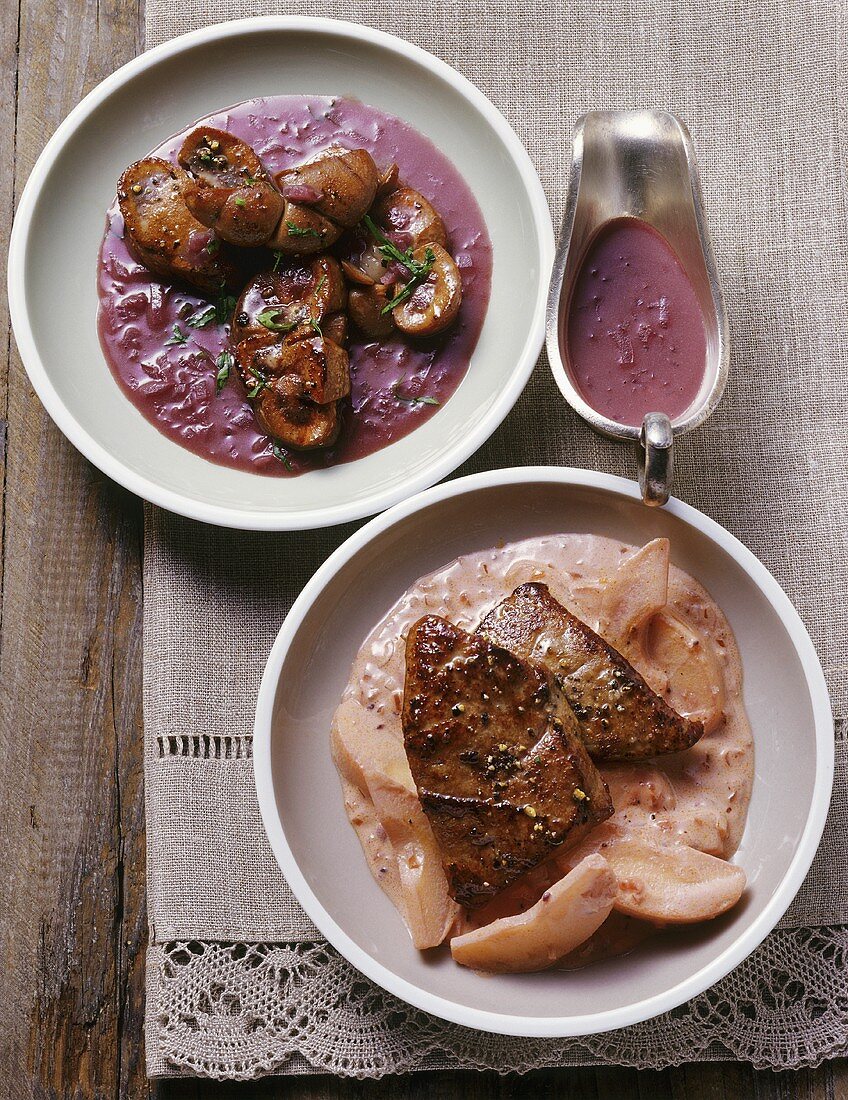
{"points": [[285, 413], [229, 189], [410, 218], [338, 183], [302, 231], [288, 330], [433, 304], [367, 306], [404, 277], [317, 365], [301, 292], [164, 235]]}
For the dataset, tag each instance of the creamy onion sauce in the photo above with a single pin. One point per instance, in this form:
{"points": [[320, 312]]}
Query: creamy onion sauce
{"points": [[698, 797]]}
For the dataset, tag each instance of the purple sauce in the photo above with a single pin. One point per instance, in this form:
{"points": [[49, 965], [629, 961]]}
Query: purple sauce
{"points": [[634, 331], [396, 384]]}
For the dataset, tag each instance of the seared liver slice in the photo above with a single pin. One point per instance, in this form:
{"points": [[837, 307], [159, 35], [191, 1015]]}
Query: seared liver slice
{"points": [[493, 748], [620, 717]]}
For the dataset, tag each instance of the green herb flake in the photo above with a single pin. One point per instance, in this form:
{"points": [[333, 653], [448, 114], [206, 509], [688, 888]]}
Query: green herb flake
{"points": [[316, 328], [401, 296], [239, 201], [225, 363], [321, 283], [204, 318], [213, 246], [392, 252], [296, 231], [261, 382], [224, 308], [418, 270], [281, 456], [269, 318], [410, 399], [178, 337], [278, 259]]}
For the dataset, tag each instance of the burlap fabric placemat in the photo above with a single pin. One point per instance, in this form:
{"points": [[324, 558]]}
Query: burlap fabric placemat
{"points": [[239, 983]]}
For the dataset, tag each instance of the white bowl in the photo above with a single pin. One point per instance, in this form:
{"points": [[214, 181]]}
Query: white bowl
{"points": [[61, 218], [300, 797]]}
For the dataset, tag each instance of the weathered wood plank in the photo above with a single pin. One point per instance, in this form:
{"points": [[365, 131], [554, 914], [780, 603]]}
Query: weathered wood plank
{"points": [[710, 1081], [72, 918], [69, 669]]}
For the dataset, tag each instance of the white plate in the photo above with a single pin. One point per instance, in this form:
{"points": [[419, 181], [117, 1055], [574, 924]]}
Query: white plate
{"points": [[300, 797], [61, 217]]}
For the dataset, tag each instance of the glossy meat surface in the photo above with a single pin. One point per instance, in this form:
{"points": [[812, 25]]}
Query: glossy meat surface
{"points": [[620, 717], [434, 303], [164, 235], [412, 218], [229, 189], [500, 770], [316, 362], [300, 292], [339, 183]]}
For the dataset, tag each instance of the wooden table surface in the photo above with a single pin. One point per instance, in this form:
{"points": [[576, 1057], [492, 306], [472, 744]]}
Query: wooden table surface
{"points": [[72, 881]]}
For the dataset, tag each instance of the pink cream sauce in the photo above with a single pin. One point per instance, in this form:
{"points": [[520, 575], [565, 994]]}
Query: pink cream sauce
{"points": [[697, 798], [174, 385], [634, 332]]}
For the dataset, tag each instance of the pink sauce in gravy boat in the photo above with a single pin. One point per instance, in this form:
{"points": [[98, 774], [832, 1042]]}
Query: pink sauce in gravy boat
{"points": [[637, 331]]}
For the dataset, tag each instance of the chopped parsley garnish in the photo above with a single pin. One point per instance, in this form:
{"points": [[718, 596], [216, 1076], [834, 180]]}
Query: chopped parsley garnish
{"points": [[316, 328], [178, 337], [261, 381], [224, 363], [269, 318], [224, 308], [213, 246], [321, 282], [410, 399], [392, 252], [278, 259], [296, 231], [239, 201], [281, 455], [406, 291], [204, 318], [418, 270]]}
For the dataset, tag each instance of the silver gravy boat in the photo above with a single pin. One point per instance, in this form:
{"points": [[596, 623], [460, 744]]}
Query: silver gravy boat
{"points": [[639, 164]]}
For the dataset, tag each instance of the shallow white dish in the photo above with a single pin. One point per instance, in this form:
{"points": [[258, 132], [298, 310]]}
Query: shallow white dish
{"points": [[61, 218], [300, 796]]}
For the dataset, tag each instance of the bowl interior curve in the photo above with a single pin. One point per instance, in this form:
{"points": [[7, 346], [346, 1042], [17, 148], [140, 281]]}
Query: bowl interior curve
{"points": [[60, 241], [306, 794]]}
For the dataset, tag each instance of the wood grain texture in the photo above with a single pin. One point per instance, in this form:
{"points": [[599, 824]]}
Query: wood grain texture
{"points": [[712, 1081], [72, 917], [72, 927]]}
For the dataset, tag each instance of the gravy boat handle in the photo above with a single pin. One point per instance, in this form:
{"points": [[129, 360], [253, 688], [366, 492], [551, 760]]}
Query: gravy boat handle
{"points": [[656, 465]]}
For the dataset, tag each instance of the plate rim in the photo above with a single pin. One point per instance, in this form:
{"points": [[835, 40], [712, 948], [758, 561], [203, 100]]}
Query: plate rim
{"points": [[548, 1026], [257, 519]]}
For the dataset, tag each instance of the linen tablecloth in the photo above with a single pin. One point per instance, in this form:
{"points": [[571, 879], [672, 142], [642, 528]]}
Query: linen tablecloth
{"points": [[239, 981]]}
